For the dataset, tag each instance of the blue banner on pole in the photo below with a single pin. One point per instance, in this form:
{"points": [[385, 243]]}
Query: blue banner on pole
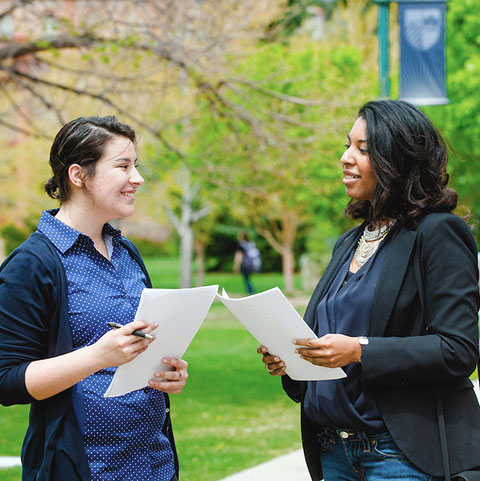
{"points": [[422, 53]]}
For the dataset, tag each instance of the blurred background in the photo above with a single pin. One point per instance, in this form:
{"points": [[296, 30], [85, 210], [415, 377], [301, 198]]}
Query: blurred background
{"points": [[242, 108]]}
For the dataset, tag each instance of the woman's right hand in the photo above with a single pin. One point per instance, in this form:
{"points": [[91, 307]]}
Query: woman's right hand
{"points": [[46, 377], [119, 346], [274, 365]]}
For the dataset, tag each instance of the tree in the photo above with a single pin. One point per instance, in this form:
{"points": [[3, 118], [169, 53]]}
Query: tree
{"points": [[184, 221], [460, 120], [83, 46], [155, 63], [248, 117], [296, 13], [307, 94], [280, 187]]}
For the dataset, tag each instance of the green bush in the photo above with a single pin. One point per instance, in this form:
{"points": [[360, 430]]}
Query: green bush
{"points": [[14, 235]]}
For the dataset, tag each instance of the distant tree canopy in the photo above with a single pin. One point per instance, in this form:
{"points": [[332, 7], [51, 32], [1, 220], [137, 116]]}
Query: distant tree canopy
{"points": [[258, 125], [237, 93]]}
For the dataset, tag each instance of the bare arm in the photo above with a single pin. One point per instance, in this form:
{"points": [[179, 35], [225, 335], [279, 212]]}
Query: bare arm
{"points": [[46, 377], [237, 260]]}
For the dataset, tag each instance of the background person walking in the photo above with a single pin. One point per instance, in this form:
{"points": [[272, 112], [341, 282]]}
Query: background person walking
{"points": [[247, 260]]}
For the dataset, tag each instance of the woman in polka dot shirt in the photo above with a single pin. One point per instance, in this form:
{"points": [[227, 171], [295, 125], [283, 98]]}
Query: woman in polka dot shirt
{"points": [[58, 291]]}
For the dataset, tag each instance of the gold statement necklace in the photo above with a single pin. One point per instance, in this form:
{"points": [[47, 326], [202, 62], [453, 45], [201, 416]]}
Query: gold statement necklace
{"points": [[369, 242]]}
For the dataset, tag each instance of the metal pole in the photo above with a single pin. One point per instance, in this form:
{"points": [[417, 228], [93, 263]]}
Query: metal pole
{"points": [[383, 47]]}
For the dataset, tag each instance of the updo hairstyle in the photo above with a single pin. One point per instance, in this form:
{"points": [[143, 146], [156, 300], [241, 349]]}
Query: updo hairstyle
{"points": [[81, 141]]}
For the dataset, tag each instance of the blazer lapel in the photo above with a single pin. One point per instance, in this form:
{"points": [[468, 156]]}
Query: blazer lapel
{"points": [[331, 269], [391, 278]]}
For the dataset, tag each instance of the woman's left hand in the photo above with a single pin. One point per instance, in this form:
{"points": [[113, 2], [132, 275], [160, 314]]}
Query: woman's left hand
{"points": [[174, 381], [331, 350]]}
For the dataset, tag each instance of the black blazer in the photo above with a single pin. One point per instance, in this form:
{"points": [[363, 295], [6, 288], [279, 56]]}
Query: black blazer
{"points": [[408, 359]]}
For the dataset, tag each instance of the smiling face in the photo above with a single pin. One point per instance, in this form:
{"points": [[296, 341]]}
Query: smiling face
{"points": [[112, 187], [358, 177]]}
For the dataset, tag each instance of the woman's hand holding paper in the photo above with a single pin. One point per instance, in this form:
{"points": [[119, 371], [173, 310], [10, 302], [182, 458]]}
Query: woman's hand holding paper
{"points": [[119, 346], [274, 365], [172, 382], [331, 350]]}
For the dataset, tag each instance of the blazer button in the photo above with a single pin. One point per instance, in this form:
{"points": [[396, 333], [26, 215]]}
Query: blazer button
{"points": [[167, 410], [343, 434]]}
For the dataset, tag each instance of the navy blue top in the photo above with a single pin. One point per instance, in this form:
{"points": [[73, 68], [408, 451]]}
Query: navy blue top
{"points": [[346, 309], [122, 435]]}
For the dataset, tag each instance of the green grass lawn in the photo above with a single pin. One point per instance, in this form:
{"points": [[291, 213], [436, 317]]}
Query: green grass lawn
{"points": [[231, 415], [165, 273]]}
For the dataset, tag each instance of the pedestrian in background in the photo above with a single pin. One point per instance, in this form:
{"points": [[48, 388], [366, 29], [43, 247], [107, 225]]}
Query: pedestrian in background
{"points": [[247, 260]]}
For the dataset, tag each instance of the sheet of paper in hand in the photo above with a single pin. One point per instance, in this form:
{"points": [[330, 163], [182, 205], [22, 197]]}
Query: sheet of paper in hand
{"points": [[274, 323], [179, 314]]}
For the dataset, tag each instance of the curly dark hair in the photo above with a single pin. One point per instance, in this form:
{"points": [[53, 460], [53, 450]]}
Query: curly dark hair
{"points": [[408, 157], [81, 141]]}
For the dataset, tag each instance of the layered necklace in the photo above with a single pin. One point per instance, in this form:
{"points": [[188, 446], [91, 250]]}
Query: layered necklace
{"points": [[369, 242]]}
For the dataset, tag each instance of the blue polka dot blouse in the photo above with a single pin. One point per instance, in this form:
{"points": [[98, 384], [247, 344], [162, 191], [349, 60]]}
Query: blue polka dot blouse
{"points": [[122, 435]]}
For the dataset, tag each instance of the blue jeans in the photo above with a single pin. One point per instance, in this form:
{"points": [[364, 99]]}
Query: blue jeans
{"points": [[248, 284], [355, 455]]}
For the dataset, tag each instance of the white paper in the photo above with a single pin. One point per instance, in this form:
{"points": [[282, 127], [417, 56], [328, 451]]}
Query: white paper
{"points": [[179, 314], [275, 323]]}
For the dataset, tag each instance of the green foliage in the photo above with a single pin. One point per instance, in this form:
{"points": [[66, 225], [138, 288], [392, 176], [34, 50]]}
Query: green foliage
{"points": [[295, 14], [460, 120], [14, 235]]}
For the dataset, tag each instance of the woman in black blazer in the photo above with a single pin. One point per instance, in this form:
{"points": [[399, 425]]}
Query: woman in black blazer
{"points": [[397, 309]]}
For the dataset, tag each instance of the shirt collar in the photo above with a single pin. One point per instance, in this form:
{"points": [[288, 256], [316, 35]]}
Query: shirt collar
{"points": [[63, 237], [115, 233]]}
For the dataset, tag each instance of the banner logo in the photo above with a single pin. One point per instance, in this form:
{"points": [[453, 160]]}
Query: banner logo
{"points": [[423, 27], [422, 53]]}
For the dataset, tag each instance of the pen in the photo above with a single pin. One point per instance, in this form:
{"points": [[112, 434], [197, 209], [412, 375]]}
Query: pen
{"points": [[136, 332]]}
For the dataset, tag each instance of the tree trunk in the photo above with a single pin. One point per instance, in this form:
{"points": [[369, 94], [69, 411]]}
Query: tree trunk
{"points": [[183, 225], [282, 240], [200, 259], [186, 256], [288, 267], [290, 224]]}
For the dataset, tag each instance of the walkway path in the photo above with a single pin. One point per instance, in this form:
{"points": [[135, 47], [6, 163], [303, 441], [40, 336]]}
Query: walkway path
{"points": [[9, 462]]}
